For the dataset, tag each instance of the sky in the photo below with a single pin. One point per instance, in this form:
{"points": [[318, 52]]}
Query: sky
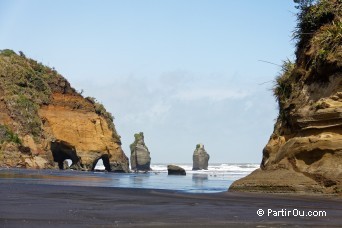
{"points": [[182, 72]]}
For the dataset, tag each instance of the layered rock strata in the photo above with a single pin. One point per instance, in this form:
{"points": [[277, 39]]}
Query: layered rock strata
{"points": [[200, 158], [140, 155], [52, 121], [307, 156], [304, 152]]}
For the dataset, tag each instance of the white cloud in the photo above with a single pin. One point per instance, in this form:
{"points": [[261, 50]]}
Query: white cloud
{"points": [[158, 110], [155, 112], [213, 94]]}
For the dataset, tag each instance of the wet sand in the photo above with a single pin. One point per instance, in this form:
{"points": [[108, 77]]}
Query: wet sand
{"points": [[33, 205]]}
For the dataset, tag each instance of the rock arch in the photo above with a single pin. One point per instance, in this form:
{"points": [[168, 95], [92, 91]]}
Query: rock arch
{"points": [[61, 151], [106, 163]]}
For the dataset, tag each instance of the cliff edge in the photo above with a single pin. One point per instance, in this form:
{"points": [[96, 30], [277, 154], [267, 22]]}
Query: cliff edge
{"points": [[44, 121], [304, 152]]}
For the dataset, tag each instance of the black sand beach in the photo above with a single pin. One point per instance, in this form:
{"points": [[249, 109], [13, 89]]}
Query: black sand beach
{"points": [[28, 205]]}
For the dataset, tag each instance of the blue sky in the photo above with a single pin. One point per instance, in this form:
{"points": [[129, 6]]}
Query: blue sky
{"points": [[183, 72]]}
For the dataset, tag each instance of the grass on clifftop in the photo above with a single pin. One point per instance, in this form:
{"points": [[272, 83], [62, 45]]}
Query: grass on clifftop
{"points": [[319, 44], [101, 110], [27, 85], [312, 15], [319, 27], [328, 45], [284, 83], [318, 38]]}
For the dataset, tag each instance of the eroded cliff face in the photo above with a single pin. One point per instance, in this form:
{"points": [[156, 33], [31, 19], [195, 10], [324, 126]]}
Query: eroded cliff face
{"points": [[63, 125], [304, 153], [84, 130]]}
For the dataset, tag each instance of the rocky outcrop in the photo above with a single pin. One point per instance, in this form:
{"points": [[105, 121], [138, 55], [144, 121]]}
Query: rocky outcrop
{"points": [[49, 122], [175, 170], [307, 155], [200, 158], [304, 153], [140, 156]]}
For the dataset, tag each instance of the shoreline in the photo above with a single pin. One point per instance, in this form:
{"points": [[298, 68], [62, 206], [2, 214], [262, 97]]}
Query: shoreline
{"points": [[32, 205]]}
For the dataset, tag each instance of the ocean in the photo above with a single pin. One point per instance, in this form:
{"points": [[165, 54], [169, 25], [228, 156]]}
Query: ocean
{"points": [[217, 178]]}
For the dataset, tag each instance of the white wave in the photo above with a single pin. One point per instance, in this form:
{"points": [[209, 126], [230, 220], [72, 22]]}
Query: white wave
{"points": [[212, 168], [224, 168]]}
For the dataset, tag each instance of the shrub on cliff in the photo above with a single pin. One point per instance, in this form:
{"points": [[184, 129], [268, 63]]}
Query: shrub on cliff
{"points": [[7, 52], [328, 45], [318, 50], [284, 83], [6, 135], [312, 15], [28, 84], [319, 31], [25, 86], [101, 110]]}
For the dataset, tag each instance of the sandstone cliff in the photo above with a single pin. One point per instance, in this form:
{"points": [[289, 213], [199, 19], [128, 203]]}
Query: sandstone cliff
{"points": [[44, 121], [304, 153]]}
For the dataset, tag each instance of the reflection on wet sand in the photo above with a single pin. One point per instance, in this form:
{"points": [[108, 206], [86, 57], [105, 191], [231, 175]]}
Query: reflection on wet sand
{"points": [[55, 177], [194, 183], [138, 180], [199, 179]]}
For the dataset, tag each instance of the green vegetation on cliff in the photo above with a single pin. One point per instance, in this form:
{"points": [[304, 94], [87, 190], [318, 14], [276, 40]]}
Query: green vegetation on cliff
{"points": [[318, 38], [101, 110], [303, 154], [284, 86], [26, 85], [312, 16], [137, 137], [319, 32], [6, 135]]}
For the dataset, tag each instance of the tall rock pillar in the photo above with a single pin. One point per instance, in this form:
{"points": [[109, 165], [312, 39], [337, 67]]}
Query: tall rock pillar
{"points": [[140, 155], [200, 158]]}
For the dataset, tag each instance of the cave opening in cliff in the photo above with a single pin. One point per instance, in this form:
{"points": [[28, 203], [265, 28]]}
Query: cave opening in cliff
{"points": [[102, 161], [62, 151]]}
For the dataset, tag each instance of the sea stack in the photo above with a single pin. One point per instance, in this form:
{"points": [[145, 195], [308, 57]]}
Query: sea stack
{"points": [[140, 155], [304, 152], [200, 158]]}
